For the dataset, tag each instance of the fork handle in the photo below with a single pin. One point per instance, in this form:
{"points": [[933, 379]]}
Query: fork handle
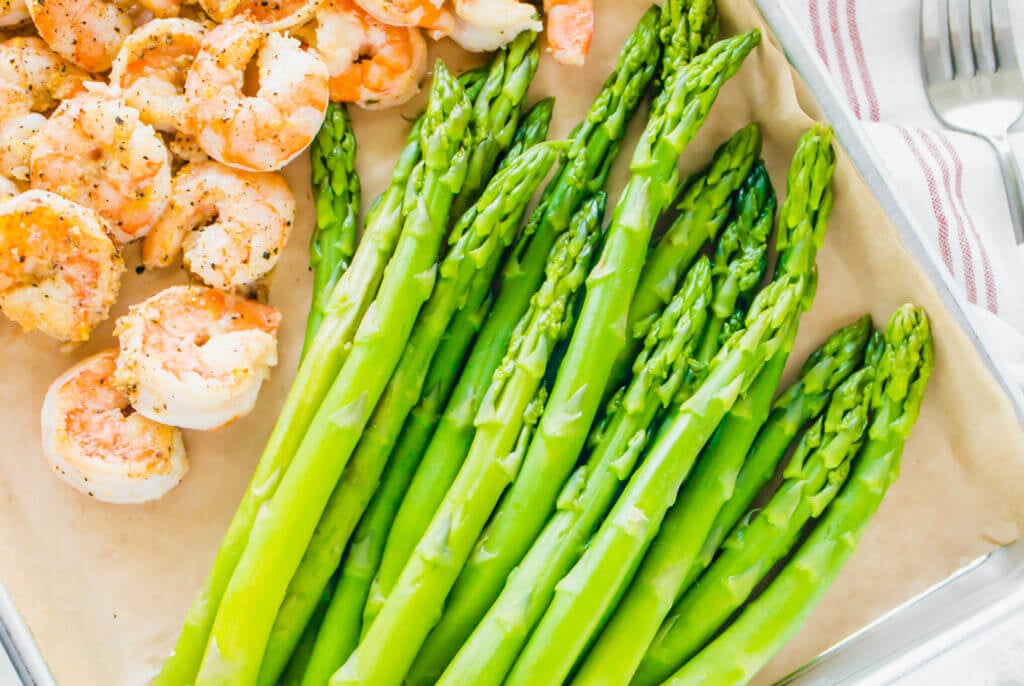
{"points": [[1013, 181]]}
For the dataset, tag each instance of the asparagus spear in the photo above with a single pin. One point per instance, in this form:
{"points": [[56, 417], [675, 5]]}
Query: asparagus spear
{"points": [[814, 475], [321, 361], [337, 193], [388, 648], [761, 629], [673, 554], [739, 265], [587, 593], [282, 532], [300, 657], [704, 207], [593, 147], [496, 113], [687, 29], [489, 653], [600, 335]]}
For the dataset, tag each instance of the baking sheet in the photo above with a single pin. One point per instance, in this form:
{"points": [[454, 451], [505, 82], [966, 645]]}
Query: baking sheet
{"points": [[104, 587]]}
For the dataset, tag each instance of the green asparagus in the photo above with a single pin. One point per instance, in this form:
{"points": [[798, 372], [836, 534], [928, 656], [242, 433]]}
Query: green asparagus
{"points": [[704, 207], [321, 361], [337, 193], [632, 415], [496, 113], [388, 648], [594, 146], [765, 625], [687, 28], [299, 660], [582, 602], [600, 335], [286, 523], [674, 551], [813, 476]]}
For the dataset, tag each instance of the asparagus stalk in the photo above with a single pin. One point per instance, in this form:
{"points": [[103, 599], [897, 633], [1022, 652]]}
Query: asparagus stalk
{"points": [[632, 415], [282, 532], [300, 657], [739, 265], [585, 596], [512, 402], [704, 207], [814, 475], [765, 625], [321, 361], [496, 113], [675, 549], [337, 193], [687, 29], [600, 334], [593, 147]]}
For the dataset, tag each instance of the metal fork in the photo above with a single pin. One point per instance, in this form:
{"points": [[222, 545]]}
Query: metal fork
{"points": [[973, 81]]}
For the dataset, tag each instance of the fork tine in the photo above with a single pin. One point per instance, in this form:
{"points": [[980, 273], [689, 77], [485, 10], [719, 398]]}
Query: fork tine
{"points": [[1002, 36], [960, 45], [981, 36], [935, 52]]}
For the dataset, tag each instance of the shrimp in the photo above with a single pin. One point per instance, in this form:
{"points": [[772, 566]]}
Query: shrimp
{"points": [[427, 14], [195, 357], [60, 270], [250, 215], [275, 15], [570, 30], [96, 442], [13, 12], [8, 189], [150, 70], [95, 150], [85, 32], [265, 131], [508, 17], [33, 79], [370, 63]]}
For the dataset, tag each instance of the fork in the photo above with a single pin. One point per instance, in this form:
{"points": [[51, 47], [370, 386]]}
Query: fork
{"points": [[973, 81]]}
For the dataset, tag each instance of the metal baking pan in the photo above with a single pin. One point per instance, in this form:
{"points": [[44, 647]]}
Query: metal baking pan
{"points": [[966, 614]]}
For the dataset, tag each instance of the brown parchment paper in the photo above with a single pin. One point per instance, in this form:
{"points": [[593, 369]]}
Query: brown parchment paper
{"points": [[104, 588]]}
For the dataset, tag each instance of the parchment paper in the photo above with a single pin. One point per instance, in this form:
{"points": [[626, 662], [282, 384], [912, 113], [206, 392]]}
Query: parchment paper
{"points": [[104, 588]]}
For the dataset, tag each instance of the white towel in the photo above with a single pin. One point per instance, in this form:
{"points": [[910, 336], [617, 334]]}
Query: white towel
{"points": [[949, 180]]}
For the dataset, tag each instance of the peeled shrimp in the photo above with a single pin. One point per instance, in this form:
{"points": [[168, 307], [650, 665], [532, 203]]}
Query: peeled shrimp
{"points": [[86, 32], [95, 150], [570, 30], [150, 70], [60, 271], [271, 14], [13, 12], [250, 215], [195, 357], [509, 17], [370, 63], [33, 79], [427, 14], [8, 189], [261, 132], [96, 442]]}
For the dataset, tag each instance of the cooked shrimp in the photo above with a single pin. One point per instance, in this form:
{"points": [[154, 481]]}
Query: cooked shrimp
{"points": [[196, 357], [13, 12], [427, 14], [96, 442], [33, 79], [477, 38], [271, 14], [261, 132], [370, 63], [184, 149], [150, 70], [250, 215], [570, 30], [509, 17], [86, 32], [95, 150], [60, 270]]}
